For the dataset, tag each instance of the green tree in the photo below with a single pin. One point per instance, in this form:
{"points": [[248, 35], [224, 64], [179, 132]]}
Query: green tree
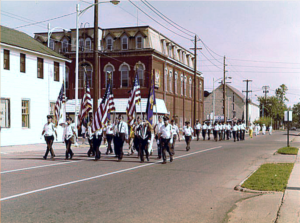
{"points": [[296, 114], [281, 92]]}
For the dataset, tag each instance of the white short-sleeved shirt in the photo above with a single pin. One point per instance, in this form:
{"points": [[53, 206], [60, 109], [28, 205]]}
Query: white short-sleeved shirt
{"points": [[204, 127], [49, 129], [166, 131], [217, 127], [238, 127], [198, 126], [242, 126], [83, 129], [175, 129], [234, 128], [122, 127], [109, 129], [157, 127], [188, 131], [209, 127], [69, 131]]}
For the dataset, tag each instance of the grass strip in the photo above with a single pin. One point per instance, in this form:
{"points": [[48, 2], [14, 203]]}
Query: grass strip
{"points": [[270, 177], [288, 150]]}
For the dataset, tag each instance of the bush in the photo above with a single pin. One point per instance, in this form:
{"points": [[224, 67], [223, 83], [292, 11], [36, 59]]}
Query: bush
{"points": [[264, 120]]}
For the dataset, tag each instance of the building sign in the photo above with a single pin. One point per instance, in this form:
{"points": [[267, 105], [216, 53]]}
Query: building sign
{"points": [[219, 118], [288, 116], [157, 78]]}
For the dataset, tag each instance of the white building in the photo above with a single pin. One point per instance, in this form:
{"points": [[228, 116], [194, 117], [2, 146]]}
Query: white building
{"points": [[31, 78]]}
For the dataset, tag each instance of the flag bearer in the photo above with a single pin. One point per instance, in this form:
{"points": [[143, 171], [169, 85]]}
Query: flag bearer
{"points": [[49, 131], [156, 133], [90, 136], [188, 132], [121, 130], [97, 139], [69, 134], [109, 135], [175, 133], [204, 129], [144, 131], [165, 135], [197, 129]]}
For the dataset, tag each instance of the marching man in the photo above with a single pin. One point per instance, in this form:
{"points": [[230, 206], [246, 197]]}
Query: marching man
{"points": [[109, 135], [204, 129], [264, 129], [156, 133], [121, 130], [209, 128], [144, 131], [165, 134], [175, 133], [188, 132], [270, 129], [197, 128], [49, 131]]}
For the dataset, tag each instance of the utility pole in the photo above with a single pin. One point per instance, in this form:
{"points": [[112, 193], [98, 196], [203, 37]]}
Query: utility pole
{"points": [[247, 100], [266, 90], [96, 59], [224, 92]]}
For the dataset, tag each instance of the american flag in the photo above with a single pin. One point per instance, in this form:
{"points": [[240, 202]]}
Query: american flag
{"points": [[86, 105], [107, 105], [60, 100], [135, 98]]}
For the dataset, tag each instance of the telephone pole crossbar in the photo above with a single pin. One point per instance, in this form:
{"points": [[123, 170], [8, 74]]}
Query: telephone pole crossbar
{"points": [[247, 100]]}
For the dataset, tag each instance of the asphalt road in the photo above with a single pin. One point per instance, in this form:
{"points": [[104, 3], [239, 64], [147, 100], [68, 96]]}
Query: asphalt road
{"points": [[196, 187]]}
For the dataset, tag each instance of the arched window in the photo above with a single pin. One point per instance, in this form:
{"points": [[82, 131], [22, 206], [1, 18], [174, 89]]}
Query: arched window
{"points": [[170, 50], [124, 40], [67, 71], [181, 84], [84, 75], [81, 44], [109, 43], [176, 78], [64, 45], [171, 81], [109, 69], [52, 44], [166, 80], [190, 82], [139, 42], [185, 80], [141, 72], [124, 75], [88, 44]]}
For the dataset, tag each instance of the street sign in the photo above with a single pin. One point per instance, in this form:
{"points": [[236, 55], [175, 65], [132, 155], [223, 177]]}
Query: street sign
{"points": [[288, 116]]}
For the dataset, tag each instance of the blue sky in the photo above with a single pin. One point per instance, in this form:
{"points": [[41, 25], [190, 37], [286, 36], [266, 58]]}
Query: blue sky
{"points": [[242, 31]]}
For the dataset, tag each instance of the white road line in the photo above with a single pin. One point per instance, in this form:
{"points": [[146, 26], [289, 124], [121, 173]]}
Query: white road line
{"points": [[99, 176]]}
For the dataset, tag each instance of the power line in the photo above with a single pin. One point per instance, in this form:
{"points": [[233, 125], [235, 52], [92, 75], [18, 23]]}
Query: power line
{"points": [[267, 67], [210, 62], [14, 17], [257, 61]]}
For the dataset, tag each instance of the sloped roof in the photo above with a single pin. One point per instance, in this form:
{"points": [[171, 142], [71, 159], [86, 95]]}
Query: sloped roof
{"points": [[16, 38], [236, 91]]}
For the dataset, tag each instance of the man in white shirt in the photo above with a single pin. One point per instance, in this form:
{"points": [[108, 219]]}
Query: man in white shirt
{"points": [[197, 129], [204, 129], [69, 134], [90, 137], [156, 131], [216, 131], [264, 129], [243, 130], [109, 135], [165, 135], [234, 131], [209, 128], [175, 133], [49, 131], [270, 129], [83, 131], [220, 131], [238, 132], [97, 139], [121, 131], [144, 131], [188, 132]]}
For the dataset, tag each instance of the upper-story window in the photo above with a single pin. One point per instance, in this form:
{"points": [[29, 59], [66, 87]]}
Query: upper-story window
{"points": [[200, 91], [190, 82], [188, 60], [40, 68], [171, 81], [22, 62], [176, 79], [179, 55], [67, 71], [183, 58], [109, 70], [141, 72], [124, 40], [109, 43], [81, 44], [56, 71], [124, 76], [139, 42], [181, 84], [84, 75], [166, 79], [6, 60], [164, 47], [185, 80], [52, 44], [64, 45], [170, 50], [88, 44]]}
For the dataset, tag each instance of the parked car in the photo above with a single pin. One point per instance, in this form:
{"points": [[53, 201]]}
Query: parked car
{"points": [[294, 128]]}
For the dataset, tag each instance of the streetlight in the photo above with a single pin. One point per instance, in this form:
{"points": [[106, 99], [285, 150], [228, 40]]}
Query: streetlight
{"points": [[79, 13], [214, 96]]}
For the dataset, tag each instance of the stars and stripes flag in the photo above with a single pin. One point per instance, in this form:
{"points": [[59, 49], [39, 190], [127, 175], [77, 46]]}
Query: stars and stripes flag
{"points": [[61, 99], [135, 98], [86, 105], [106, 106]]}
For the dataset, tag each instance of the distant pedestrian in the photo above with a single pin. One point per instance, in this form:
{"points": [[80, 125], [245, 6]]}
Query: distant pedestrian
{"points": [[175, 134], [243, 130], [144, 130], [156, 131], [227, 129], [90, 136], [48, 132], [238, 132], [251, 130], [197, 129], [264, 129], [209, 128], [204, 129], [188, 132], [121, 130], [109, 135], [83, 133], [165, 134], [216, 131], [234, 131], [270, 129], [69, 134]]}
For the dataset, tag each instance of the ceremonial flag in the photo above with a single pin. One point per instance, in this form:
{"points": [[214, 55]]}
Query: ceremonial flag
{"points": [[150, 103], [135, 98], [86, 105], [60, 100], [107, 105]]}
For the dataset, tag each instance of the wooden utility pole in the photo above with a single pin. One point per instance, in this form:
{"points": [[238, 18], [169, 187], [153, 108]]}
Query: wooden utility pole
{"points": [[96, 60], [247, 100]]}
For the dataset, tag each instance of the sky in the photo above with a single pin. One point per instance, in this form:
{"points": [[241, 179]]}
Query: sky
{"points": [[260, 39]]}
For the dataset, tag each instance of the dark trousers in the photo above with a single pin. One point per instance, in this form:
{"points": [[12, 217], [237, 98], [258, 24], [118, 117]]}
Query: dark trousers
{"points": [[68, 148], [165, 145], [216, 135], [238, 135], [136, 143], [158, 146], [243, 134], [119, 142], [220, 135], [197, 134], [109, 139], [223, 132], [234, 135], [96, 143], [188, 140], [208, 134], [49, 140], [143, 147], [173, 144], [228, 134], [91, 150], [203, 133]]}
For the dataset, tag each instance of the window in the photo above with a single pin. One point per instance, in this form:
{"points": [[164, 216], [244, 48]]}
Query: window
{"points": [[139, 42], [190, 82], [164, 47], [166, 79], [200, 91], [67, 71], [185, 85], [183, 58], [22, 62], [181, 84], [40, 68], [81, 44], [124, 76], [52, 44], [109, 69], [141, 71], [56, 71], [179, 55], [52, 106], [5, 113], [84, 75], [109, 43], [124, 43], [170, 50], [25, 114], [171, 81], [6, 60], [88, 44], [188, 60], [64, 45], [176, 78]]}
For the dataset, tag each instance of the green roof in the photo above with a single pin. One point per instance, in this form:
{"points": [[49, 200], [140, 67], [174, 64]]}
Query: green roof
{"points": [[16, 38]]}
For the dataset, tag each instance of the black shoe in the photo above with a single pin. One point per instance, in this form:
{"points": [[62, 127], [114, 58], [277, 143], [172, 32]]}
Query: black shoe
{"points": [[71, 156], [44, 157], [89, 155], [171, 159], [159, 157], [147, 159], [119, 160], [164, 162], [106, 153], [142, 161]]}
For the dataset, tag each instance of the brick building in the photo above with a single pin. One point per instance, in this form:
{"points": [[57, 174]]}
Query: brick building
{"points": [[125, 51]]}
